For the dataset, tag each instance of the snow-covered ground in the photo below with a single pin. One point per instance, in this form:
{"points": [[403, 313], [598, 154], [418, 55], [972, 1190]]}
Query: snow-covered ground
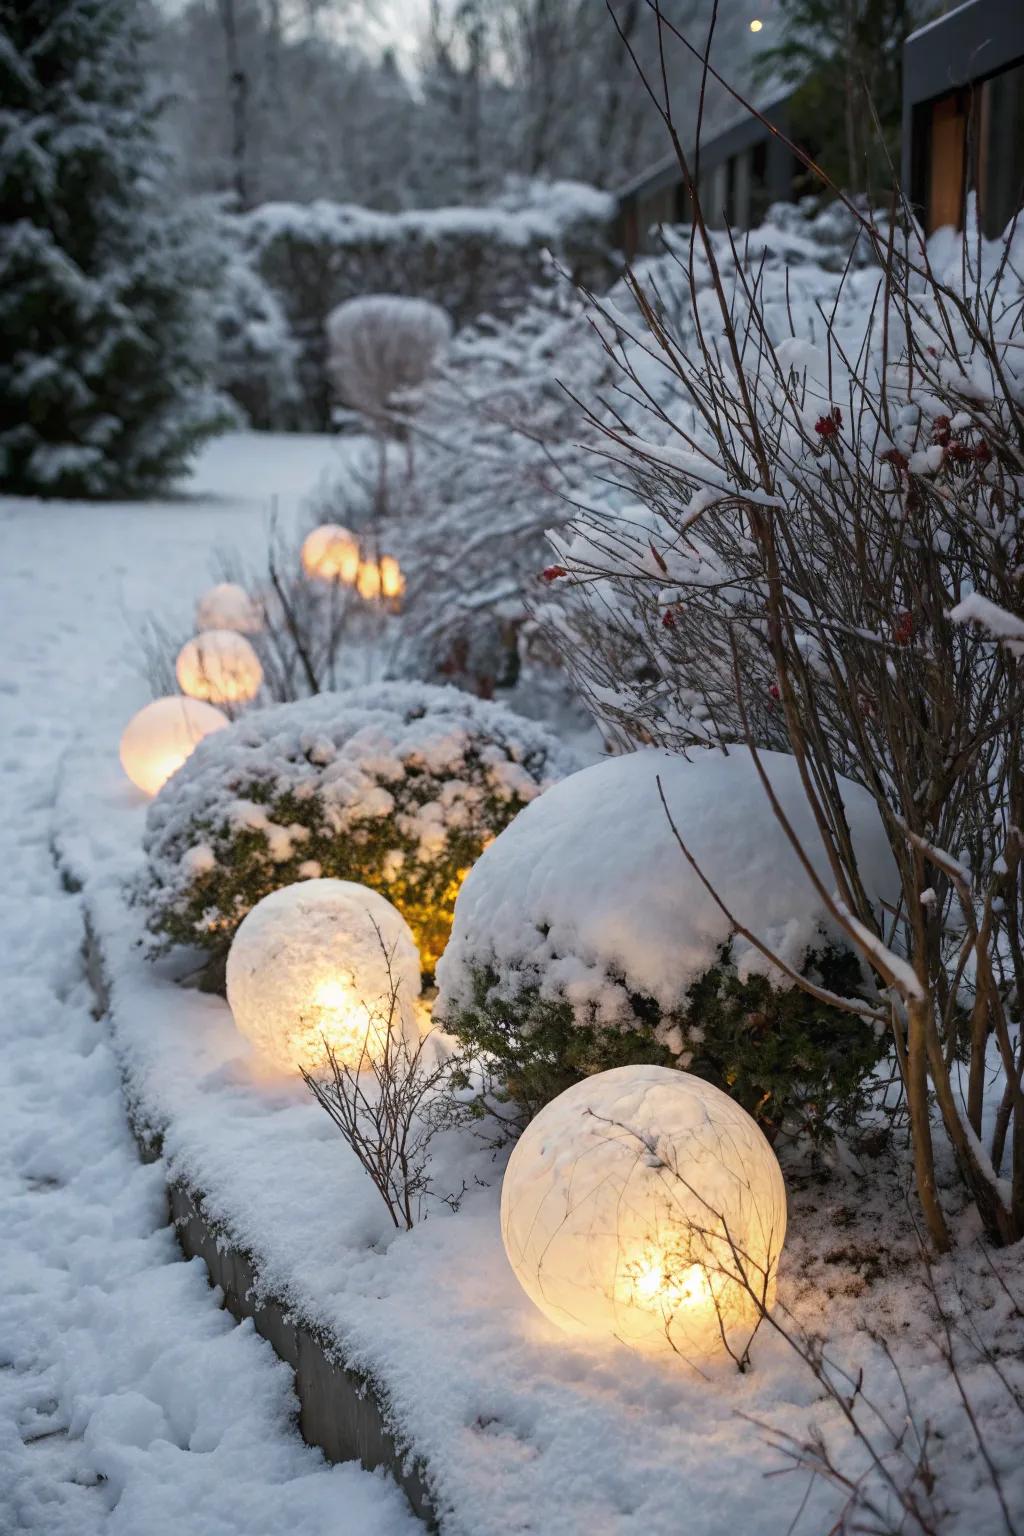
{"points": [[129, 1401]]}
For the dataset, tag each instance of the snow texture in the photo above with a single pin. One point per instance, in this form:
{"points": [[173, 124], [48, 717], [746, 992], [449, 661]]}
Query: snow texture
{"points": [[356, 751], [130, 1402], [588, 895], [523, 1430]]}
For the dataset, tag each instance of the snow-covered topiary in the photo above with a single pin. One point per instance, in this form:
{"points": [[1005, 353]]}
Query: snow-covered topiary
{"points": [[395, 786], [383, 344], [584, 939]]}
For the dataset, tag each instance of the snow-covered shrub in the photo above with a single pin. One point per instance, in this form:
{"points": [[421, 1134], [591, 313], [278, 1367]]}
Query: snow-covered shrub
{"points": [[257, 355], [394, 786], [494, 461], [382, 345], [584, 939], [812, 538]]}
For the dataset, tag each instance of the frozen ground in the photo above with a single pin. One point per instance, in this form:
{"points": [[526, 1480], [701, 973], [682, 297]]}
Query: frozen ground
{"points": [[129, 1402]]}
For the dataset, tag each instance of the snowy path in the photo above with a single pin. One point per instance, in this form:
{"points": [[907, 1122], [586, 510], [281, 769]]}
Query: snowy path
{"points": [[130, 1404]]}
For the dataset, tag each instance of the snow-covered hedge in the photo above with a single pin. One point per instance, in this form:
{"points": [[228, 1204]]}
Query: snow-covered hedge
{"points": [[396, 786], [584, 939], [473, 261]]}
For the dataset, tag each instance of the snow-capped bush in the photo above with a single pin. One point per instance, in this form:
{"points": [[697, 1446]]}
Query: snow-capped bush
{"points": [[584, 939], [395, 786], [382, 345], [257, 355], [811, 537]]}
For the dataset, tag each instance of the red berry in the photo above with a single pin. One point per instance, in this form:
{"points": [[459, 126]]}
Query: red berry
{"points": [[553, 573], [903, 632]]}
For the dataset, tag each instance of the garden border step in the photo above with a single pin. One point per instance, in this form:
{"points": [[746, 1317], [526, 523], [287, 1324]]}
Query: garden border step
{"points": [[340, 1409]]}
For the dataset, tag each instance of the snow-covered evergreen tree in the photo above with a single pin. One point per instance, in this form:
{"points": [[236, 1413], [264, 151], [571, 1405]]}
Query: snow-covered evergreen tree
{"points": [[103, 373]]}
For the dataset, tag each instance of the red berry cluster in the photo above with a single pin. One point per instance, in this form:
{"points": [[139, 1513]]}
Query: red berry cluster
{"points": [[828, 426]]}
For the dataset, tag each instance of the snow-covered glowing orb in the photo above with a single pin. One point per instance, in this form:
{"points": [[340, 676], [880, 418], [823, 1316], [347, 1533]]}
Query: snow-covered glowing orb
{"points": [[644, 1205], [161, 736], [309, 965], [331, 553], [221, 666], [228, 606]]}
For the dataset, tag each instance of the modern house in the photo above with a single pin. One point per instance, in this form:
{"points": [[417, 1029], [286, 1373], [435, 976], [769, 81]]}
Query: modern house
{"points": [[963, 115], [742, 170], [962, 131]]}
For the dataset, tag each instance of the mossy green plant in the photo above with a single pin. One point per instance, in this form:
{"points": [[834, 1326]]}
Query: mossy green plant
{"points": [[794, 1063]]}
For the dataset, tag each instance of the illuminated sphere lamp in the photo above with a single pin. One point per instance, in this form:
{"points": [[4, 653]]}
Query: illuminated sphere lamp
{"points": [[221, 666], [309, 966], [158, 739], [644, 1205], [331, 553], [380, 580], [228, 606]]}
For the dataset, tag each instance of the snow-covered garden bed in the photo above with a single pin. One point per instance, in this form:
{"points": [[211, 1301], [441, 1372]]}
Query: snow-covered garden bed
{"points": [[510, 1425]]}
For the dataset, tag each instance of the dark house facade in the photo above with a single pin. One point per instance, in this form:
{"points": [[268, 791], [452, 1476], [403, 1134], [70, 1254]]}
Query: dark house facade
{"points": [[743, 170], [963, 115], [962, 132]]}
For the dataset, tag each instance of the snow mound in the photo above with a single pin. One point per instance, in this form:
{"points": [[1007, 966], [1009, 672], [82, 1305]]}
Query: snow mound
{"points": [[587, 895]]}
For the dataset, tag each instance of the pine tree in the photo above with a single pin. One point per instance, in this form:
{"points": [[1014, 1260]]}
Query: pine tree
{"points": [[103, 369]]}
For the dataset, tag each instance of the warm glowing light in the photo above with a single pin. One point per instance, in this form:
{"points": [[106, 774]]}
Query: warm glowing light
{"points": [[162, 736], [368, 580], [331, 553], [380, 580], [392, 581], [221, 666], [309, 965], [228, 606], [755, 26], [644, 1205]]}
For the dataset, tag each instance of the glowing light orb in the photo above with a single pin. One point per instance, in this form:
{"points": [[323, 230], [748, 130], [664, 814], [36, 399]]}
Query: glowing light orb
{"points": [[158, 739], [755, 26], [331, 553], [221, 666], [309, 964], [644, 1205], [380, 580], [228, 606]]}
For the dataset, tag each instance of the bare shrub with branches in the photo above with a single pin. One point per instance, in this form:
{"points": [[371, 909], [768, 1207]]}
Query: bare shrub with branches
{"points": [[824, 553], [390, 1104]]}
